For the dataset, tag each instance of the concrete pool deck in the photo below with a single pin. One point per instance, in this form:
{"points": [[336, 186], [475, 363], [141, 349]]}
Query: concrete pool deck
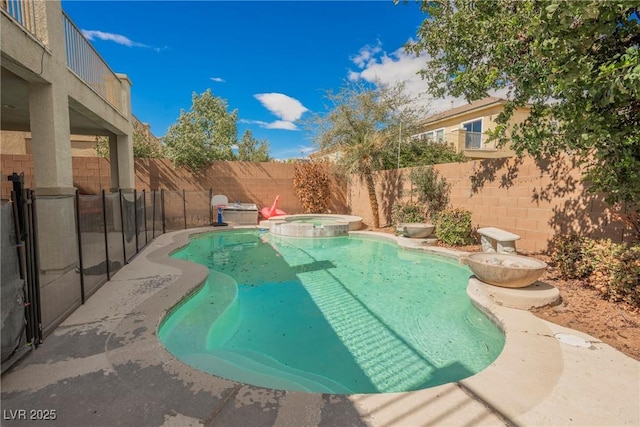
{"points": [[104, 366]]}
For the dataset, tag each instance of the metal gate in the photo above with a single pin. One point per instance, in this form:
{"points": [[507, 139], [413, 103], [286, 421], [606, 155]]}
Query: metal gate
{"points": [[108, 231], [21, 308]]}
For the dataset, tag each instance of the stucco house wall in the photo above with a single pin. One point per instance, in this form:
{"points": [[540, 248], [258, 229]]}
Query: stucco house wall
{"points": [[452, 121]]}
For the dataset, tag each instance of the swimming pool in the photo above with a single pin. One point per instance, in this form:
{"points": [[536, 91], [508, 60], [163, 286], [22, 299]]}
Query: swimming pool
{"points": [[330, 315]]}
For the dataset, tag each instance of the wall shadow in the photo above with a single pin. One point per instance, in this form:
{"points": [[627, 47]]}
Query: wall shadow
{"points": [[558, 184], [504, 170], [391, 191]]}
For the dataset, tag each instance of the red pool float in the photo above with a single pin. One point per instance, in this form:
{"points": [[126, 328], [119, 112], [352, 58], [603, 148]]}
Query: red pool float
{"points": [[273, 210]]}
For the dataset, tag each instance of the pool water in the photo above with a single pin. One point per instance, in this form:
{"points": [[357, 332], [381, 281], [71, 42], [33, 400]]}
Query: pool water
{"points": [[329, 315]]}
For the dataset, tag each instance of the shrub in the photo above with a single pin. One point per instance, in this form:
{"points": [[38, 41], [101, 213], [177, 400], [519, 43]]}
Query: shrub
{"points": [[625, 283], [615, 270], [312, 185], [453, 227], [567, 252], [408, 212], [430, 189], [611, 268]]}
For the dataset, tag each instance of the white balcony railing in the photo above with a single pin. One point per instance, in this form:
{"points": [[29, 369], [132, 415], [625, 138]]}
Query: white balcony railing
{"points": [[473, 140], [87, 64], [23, 12]]}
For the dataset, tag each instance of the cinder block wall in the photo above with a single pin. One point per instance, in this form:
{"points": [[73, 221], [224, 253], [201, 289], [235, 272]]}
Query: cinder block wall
{"points": [[246, 182], [533, 199]]}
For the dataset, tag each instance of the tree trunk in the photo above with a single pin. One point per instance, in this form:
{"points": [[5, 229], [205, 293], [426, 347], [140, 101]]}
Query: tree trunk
{"points": [[373, 200]]}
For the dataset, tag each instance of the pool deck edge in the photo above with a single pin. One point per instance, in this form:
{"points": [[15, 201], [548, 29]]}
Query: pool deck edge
{"points": [[104, 365]]}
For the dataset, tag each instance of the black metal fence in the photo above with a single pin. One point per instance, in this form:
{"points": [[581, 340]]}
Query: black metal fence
{"points": [[66, 260], [21, 316], [112, 229]]}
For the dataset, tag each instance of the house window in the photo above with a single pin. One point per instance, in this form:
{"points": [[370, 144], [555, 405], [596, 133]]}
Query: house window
{"points": [[432, 135], [473, 137]]}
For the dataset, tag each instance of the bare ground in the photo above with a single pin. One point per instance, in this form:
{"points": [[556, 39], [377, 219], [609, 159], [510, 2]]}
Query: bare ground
{"points": [[583, 309]]}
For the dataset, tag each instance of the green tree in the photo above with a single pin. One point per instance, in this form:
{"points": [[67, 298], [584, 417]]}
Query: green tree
{"points": [[205, 133], [145, 146], [432, 189], [416, 152], [252, 150], [360, 125], [576, 63]]}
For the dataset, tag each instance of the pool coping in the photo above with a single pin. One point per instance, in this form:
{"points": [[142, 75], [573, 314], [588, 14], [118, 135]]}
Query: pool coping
{"points": [[536, 380]]}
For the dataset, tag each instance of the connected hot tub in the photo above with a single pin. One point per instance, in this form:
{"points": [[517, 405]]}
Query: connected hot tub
{"points": [[313, 225]]}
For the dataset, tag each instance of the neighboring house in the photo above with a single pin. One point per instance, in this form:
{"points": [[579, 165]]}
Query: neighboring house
{"points": [[331, 155], [465, 128]]}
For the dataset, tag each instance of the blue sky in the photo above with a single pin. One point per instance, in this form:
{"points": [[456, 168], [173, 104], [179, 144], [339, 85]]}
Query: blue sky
{"points": [[271, 60]]}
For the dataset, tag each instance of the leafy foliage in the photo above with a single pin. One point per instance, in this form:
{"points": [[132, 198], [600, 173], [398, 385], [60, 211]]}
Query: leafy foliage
{"points": [[576, 63], [567, 252], [252, 150], [202, 135], [144, 145], [102, 146], [611, 268], [360, 124], [453, 227], [312, 185], [415, 152], [408, 212], [432, 190]]}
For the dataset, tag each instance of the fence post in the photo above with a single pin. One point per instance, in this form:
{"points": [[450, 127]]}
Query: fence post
{"points": [[153, 216], [144, 215], [210, 207], [32, 226], [124, 245], [184, 207], [164, 225], [135, 217], [106, 235], [79, 239]]}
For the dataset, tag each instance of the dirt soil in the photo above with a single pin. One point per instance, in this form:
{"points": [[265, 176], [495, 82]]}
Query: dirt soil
{"points": [[584, 309]]}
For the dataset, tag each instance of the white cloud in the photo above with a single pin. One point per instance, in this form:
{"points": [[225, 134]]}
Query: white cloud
{"points": [[375, 65], [282, 106], [281, 124], [218, 79], [277, 124], [366, 54], [116, 38], [286, 108]]}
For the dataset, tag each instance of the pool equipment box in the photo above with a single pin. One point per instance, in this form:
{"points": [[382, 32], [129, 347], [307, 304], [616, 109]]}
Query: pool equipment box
{"points": [[240, 214]]}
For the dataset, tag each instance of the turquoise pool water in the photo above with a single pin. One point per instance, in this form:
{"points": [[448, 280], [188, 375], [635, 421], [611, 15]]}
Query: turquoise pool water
{"points": [[331, 315]]}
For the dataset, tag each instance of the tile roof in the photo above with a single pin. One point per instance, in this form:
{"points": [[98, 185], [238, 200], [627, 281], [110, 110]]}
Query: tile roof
{"points": [[484, 102]]}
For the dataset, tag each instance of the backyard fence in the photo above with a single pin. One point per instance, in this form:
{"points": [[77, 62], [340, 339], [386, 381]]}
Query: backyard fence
{"points": [[46, 280]]}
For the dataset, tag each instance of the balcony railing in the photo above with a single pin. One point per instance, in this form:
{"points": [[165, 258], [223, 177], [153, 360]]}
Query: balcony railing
{"points": [[87, 64], [23, 11], [473, 140]]}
